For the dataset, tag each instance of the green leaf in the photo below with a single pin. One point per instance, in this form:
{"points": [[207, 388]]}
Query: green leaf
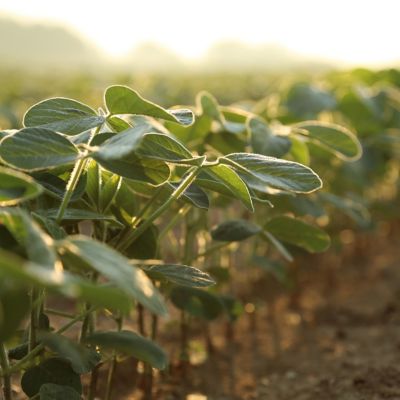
{"points": [[57, 186], [298, 233], [305, 100], [16, 187], [63, 282], [299, 151], [263, 172], [180, 274], [334, 138], [234, 231], [194, 133], [118, 124], [51, 391], [197, 302], [130, 343], [14, 304], [52, 370], [117, 269], [109, 191], [62, 115], [132, 167], [209, 106], [233, 182], [162, 147], [120, 145], [37, 148], [37, 244], [93, 182], [123, 100], [264, 141], [82, 359], [145, 246], [193, 194]]}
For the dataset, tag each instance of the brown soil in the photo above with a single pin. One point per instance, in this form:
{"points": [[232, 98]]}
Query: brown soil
{"points": [[337, 338]]}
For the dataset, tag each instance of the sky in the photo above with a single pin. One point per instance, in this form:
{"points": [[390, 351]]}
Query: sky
{"points": [[351, 31]]}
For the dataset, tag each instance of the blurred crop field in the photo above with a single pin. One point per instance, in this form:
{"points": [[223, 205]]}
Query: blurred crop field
{"points": [[220, 229]]}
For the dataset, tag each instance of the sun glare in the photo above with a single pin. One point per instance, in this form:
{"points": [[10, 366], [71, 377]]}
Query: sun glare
{"points": [[355, 32]]}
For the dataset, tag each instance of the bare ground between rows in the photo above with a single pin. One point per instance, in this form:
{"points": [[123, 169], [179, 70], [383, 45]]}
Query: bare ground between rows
{"points": [[337, 337]]}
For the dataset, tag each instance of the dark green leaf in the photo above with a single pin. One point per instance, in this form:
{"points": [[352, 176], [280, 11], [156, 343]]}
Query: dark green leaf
{"points": [[264, 141], [180, 274], [197, 302], [14, 305], [145, 246], [57, 186], [51, 391], [132, 344], [193, 194], [234, 231], [52, 370]]}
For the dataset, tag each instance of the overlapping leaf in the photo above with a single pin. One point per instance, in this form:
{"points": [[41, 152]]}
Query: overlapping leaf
{"points": [[123, 100], [62, 115], [263, 172], [33, 149]]}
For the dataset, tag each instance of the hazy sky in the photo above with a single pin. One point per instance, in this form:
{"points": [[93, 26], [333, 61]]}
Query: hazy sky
{"points": [[356, 31]]}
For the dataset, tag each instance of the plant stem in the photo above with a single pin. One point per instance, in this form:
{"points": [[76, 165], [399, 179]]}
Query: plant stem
{"points": [[34, 320], [71, 185], [93, 383], [113, 366], [58, 313], [186, 182], [4, 363], [73, 180], [210, 250], [177, 217]]}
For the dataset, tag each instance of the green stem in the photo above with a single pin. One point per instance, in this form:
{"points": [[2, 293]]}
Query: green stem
{"points": [[34, 319], [58, 313], [121, 237], [71, 186], [113, 367], [93, 383], [4, 363], [210, 250], [177, 193], [73, 180], [178, 216]]}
